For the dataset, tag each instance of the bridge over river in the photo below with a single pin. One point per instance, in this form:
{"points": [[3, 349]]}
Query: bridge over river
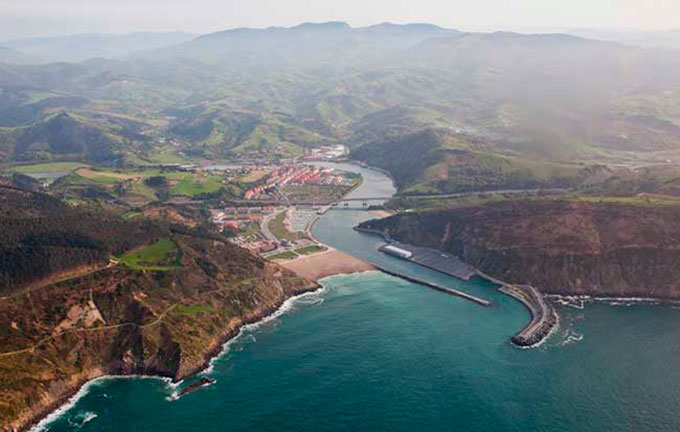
{"points": [[368, 200]]}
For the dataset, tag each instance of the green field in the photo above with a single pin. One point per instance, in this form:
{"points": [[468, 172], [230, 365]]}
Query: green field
{"points": [[162, 255], [47, 167], [310, 250], [192, 185], [278, 228], [191, 310], [283, 256]]}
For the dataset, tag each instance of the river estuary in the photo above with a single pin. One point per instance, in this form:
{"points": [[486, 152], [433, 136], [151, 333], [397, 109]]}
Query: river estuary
{"points": [[374, 353]]}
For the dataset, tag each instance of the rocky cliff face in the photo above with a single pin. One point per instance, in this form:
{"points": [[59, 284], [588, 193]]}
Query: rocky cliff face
{"points": [[562, 247]]}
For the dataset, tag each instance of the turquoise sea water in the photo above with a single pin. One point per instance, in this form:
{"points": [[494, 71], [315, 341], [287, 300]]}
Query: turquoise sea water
{"points": [[375, 353]]}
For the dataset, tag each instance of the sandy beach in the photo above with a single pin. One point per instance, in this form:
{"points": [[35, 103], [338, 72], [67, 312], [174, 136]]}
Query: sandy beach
{"points": [[328, 263], [381, 213]]}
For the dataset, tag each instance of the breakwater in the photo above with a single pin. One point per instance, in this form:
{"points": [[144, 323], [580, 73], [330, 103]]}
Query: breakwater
{"points": [[543, 315], [450, 291]]}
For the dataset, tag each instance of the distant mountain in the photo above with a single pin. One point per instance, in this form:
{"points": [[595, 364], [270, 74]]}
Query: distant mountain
{"points": [[75, 48], [669, 39], [309, 44]]}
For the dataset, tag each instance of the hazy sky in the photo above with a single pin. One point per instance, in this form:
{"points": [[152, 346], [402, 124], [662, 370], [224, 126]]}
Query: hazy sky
{"points": [[21, 18]]}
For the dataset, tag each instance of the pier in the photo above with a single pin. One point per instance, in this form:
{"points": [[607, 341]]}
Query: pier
{"points": [[450, 291]]}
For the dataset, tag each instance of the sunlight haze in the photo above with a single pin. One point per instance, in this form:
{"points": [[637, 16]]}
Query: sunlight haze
{"points": [[30, 18]]}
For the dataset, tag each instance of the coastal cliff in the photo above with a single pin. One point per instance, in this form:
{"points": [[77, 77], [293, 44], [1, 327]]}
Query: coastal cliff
{"points": [[164, 307], [561, 247]]}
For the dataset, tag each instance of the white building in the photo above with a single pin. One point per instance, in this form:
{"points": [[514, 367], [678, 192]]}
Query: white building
{"points": [[397, 252]]}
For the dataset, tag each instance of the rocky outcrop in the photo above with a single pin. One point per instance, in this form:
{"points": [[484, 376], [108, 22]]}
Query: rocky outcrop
{"points": [[562, 247]]}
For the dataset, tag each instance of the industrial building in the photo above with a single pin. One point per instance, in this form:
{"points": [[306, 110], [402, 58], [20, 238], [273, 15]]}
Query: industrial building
{"points": [[397, 252]]}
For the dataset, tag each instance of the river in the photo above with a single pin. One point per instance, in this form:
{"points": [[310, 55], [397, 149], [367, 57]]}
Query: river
{"points": [[375, 353]]}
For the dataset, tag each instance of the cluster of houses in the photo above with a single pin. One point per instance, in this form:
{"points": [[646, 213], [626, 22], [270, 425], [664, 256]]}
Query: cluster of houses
{"points": [[295, 175]]}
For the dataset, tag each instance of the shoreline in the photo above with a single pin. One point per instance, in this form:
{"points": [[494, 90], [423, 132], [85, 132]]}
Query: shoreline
{"points": [[38, 421], [331, 262]]}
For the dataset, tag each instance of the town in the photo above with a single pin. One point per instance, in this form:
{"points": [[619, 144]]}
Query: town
{"points": [[283, 232]]}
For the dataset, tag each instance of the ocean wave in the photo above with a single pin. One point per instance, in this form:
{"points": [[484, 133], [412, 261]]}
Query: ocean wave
{"points": [[287, 306], [542, 342], [176, 394], [571, 337], [342, 276], [80, 419], [42, 425], [574, 301], [568, 302]]}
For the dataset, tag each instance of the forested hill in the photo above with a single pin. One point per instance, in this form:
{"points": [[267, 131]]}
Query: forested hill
{"points": [[41, 236]]}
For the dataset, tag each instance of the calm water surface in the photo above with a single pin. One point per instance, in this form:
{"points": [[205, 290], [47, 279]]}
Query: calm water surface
{"points": [[375, 353]]}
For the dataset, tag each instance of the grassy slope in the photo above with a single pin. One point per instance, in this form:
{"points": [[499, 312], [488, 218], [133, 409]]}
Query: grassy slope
{"points": [[160, 256]]}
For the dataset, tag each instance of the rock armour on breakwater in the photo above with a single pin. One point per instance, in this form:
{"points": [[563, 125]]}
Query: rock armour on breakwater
{"points": [[543, 315]]}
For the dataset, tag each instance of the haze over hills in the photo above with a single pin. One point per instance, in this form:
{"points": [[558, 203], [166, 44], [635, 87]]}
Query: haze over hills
{"points": [[79, 47], [549, 97], [669, 39]]}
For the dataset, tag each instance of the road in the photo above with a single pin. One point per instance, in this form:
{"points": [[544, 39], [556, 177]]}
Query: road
{"points": [[264, 225]]}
